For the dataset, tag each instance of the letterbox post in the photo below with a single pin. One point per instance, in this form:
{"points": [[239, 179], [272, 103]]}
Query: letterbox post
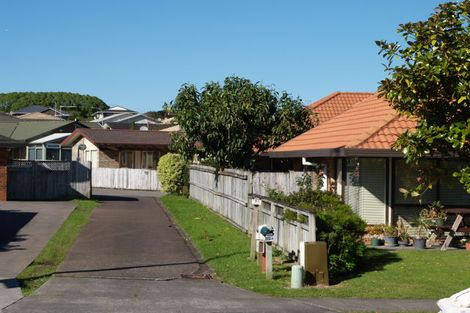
{"points": [[269, 260]]}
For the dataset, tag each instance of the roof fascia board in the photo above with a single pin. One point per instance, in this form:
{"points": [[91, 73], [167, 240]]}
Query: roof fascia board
{"points": [[337, 152]]}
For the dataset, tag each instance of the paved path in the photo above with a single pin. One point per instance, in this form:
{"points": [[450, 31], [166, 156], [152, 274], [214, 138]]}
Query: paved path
{"points": [[25, 229], [131, 258]]}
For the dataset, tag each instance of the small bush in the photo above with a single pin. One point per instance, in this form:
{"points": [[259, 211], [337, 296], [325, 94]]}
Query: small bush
{"points": [[172, 172], [337, 224]]}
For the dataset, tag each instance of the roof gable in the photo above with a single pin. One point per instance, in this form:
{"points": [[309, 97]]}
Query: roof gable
{"points": [[369, 124], [119, 137]]}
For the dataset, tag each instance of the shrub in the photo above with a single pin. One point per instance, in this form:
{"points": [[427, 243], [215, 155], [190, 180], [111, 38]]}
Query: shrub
{"points": [[172, 172], [337, 224]]}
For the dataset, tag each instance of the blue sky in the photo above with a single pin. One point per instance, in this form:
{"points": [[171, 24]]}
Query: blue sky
{"points": [[138, 53]]}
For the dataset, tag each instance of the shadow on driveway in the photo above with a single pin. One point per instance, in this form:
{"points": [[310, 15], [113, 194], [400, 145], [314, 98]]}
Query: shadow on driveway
{"points": [[12, 221]]}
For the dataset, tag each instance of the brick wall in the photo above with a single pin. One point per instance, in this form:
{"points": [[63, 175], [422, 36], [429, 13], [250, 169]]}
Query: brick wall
{"points": [[3, 174], [109, 158]]}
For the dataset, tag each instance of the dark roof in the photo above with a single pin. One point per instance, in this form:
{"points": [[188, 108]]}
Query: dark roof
{"points": [[7, 118], [26, 130], [91, 124], [131, 125], [32, 109], [6, 142], [119, 137], [38, 109]]}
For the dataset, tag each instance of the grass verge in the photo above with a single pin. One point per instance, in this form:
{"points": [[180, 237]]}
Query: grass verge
{"points": [[46, 263], [407, 274]]}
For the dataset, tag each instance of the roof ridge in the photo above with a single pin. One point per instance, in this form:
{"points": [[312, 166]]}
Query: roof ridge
{"points": [[323, 100]]}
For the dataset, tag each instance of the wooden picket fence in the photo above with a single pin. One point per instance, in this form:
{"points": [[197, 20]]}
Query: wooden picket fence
{"points": [[229, 193], [125, 178]]}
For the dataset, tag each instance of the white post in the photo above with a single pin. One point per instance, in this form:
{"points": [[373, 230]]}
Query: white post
{"points": [[312, 230], [269, 260]]}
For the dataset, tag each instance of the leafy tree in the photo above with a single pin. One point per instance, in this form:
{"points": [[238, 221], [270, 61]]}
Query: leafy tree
{"points": [[429, 79], [83, 105], [229, 125]]}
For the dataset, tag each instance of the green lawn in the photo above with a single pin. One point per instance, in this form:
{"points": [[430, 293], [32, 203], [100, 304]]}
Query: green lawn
{"points": [[46, 263], [405, 274]]}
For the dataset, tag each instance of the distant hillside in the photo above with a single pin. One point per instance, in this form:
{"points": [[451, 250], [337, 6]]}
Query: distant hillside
{"points": [[85, 105]]}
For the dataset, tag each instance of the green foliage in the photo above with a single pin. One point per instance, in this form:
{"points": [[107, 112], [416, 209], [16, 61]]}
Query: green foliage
{"points": [[85, 105], [172, 172], [229, 125], [226, 249], [337, 224], [429, 79]]}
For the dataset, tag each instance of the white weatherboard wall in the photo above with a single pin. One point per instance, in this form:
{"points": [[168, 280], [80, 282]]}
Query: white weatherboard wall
{"points": [[125, 178]]}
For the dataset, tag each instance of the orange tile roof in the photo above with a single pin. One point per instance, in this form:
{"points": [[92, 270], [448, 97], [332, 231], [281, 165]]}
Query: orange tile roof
{"points": [[336, 103], [368, 124]]}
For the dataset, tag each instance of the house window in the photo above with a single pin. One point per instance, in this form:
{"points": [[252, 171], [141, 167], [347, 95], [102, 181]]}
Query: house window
{"points": [[127, 159], [52, 152], [35, 152], [147, 159], [446, 189], [66, 155]]}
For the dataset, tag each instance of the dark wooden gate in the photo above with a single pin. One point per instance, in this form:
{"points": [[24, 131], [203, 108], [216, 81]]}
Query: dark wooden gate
{"points": [[48, 180]]}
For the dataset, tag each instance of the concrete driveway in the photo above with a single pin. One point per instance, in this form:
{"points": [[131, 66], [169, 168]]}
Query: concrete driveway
{"points": [[25, 229], [132, 258]]}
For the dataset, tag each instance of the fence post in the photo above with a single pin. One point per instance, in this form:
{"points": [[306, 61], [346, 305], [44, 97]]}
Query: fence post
{"points": [[312, 230], [34, 180], [254, 227]]}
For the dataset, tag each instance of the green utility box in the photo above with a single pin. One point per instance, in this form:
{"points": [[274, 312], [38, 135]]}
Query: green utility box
{"points": [[314, 259]]}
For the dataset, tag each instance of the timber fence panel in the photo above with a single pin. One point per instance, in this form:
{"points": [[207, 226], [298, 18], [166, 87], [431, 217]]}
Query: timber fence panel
{"points": [[229, 193], [283, 181], [125, 178], [48, 180]]}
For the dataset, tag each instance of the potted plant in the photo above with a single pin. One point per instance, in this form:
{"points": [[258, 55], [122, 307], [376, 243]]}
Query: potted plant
{"points": [[434, 214], [376, 233], [390, 234], [466, 242], [422, 227], [402, 233]]}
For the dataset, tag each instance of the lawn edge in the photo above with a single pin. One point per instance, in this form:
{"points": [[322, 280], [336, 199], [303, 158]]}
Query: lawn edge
{"points": [[29, 290]]}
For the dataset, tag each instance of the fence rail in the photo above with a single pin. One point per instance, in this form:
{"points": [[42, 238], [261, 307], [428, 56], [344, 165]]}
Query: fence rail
{"points": [[125, 178], [48, 180], [229, 193]]}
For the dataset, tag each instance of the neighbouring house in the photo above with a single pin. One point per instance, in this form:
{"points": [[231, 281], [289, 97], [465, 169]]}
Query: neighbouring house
{"points": [[48, 148], [116, 110], [42, 109], [37, 116], [40, 138], [355, 149], [122, 118], [118, 147]]}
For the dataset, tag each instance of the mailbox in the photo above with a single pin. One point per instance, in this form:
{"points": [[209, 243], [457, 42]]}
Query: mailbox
{"points": [[265, 233]]}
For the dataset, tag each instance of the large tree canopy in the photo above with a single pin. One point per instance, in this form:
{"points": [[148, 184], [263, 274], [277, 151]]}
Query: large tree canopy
{"points": [[429, 79], [83, 105], [230, 125]]}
